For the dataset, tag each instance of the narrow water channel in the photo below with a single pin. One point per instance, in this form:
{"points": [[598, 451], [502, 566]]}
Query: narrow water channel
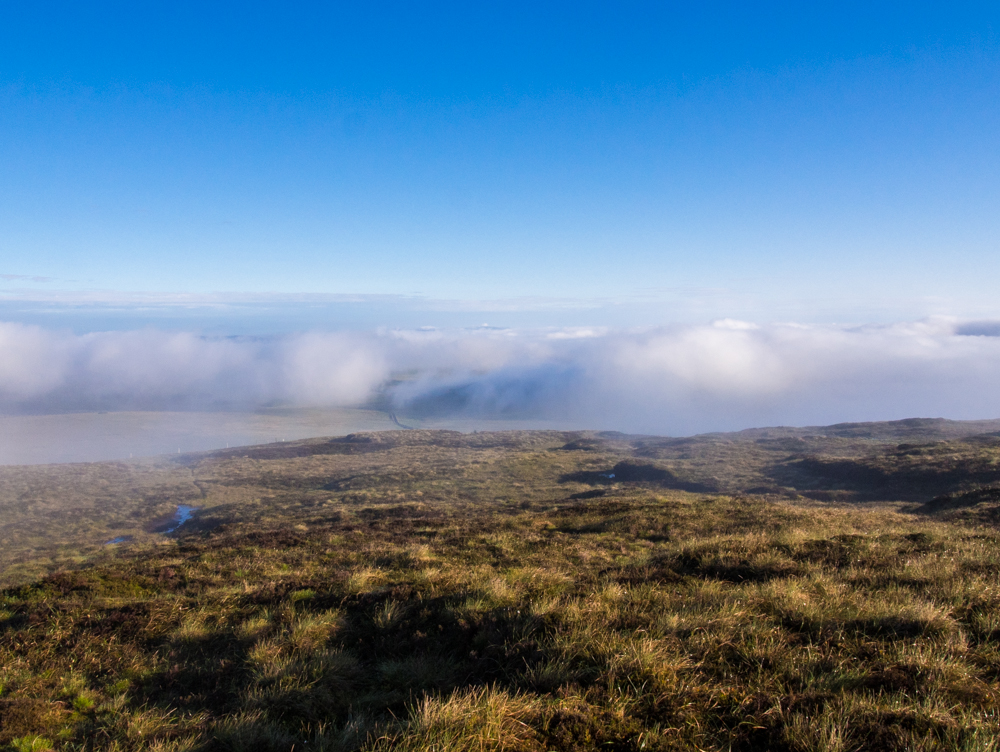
{"points": [[182, 515]]}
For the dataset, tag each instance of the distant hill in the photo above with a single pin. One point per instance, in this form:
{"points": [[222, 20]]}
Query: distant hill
{"points": [[56, 515], [911, 429]]}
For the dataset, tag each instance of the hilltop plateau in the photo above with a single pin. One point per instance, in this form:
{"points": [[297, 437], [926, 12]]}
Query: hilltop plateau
{"points": [[829, 588]]}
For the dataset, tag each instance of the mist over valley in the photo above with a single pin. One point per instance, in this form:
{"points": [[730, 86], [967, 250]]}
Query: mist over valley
{"points": [[105, 395]]}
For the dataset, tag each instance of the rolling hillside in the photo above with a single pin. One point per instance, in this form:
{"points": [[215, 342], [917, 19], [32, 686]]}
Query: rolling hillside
{"points": [[780, 589]]}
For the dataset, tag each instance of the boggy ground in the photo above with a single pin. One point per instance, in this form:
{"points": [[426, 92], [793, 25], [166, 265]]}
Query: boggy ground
{"points": [[448, 592]]}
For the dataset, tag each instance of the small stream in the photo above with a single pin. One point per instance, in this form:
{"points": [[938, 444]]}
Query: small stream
{"points": [[182, 515]]}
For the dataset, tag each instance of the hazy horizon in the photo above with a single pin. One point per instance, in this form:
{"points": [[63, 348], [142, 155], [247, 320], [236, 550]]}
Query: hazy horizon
{"points": [[651, 218], [673, 380]]}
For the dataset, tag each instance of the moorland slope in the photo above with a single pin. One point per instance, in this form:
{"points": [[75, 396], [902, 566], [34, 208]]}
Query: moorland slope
{"points": [[783, 589]]}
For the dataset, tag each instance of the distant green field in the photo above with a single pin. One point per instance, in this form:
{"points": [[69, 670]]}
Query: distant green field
{"points": [[789, 589]]}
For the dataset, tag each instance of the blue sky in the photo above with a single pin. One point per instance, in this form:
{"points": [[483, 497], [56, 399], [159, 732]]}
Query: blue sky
{"points": [[560, 163]]}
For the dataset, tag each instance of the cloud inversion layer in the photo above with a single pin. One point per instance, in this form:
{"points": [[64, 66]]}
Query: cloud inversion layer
{"points": [[673, 380]]}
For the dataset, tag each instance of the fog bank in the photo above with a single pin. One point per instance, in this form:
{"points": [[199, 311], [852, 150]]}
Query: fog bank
{"points": [[668, 380]]}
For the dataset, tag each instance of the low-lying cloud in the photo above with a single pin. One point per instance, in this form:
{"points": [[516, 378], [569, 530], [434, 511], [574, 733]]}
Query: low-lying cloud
{"points": [[672, 379]]}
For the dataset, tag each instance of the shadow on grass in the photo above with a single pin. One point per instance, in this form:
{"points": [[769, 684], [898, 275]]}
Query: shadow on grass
{"points": [[634, 472]]}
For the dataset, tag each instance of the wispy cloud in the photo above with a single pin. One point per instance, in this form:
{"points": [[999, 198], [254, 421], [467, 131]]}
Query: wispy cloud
{"points": [[25, 278], [673, 379], [147, 299]]}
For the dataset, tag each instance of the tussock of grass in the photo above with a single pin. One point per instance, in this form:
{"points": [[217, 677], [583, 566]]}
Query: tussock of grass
{"points": [[472, 720]]}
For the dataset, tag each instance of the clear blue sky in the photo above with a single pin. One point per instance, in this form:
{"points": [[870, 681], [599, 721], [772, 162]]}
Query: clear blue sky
{"points": [[678, 160]]}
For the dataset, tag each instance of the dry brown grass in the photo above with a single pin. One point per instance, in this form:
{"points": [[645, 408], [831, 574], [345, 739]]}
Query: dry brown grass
{"points": [[422, 606]]}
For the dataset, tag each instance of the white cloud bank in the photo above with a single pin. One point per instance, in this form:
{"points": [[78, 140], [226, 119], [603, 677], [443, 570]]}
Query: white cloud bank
{"points": [[673, 380]]}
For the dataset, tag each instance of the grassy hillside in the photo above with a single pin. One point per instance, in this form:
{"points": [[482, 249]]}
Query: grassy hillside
{"points": [[520, 591]]}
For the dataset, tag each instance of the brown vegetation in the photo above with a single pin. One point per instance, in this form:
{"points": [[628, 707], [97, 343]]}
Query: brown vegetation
{"points": [[419, 590]]}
